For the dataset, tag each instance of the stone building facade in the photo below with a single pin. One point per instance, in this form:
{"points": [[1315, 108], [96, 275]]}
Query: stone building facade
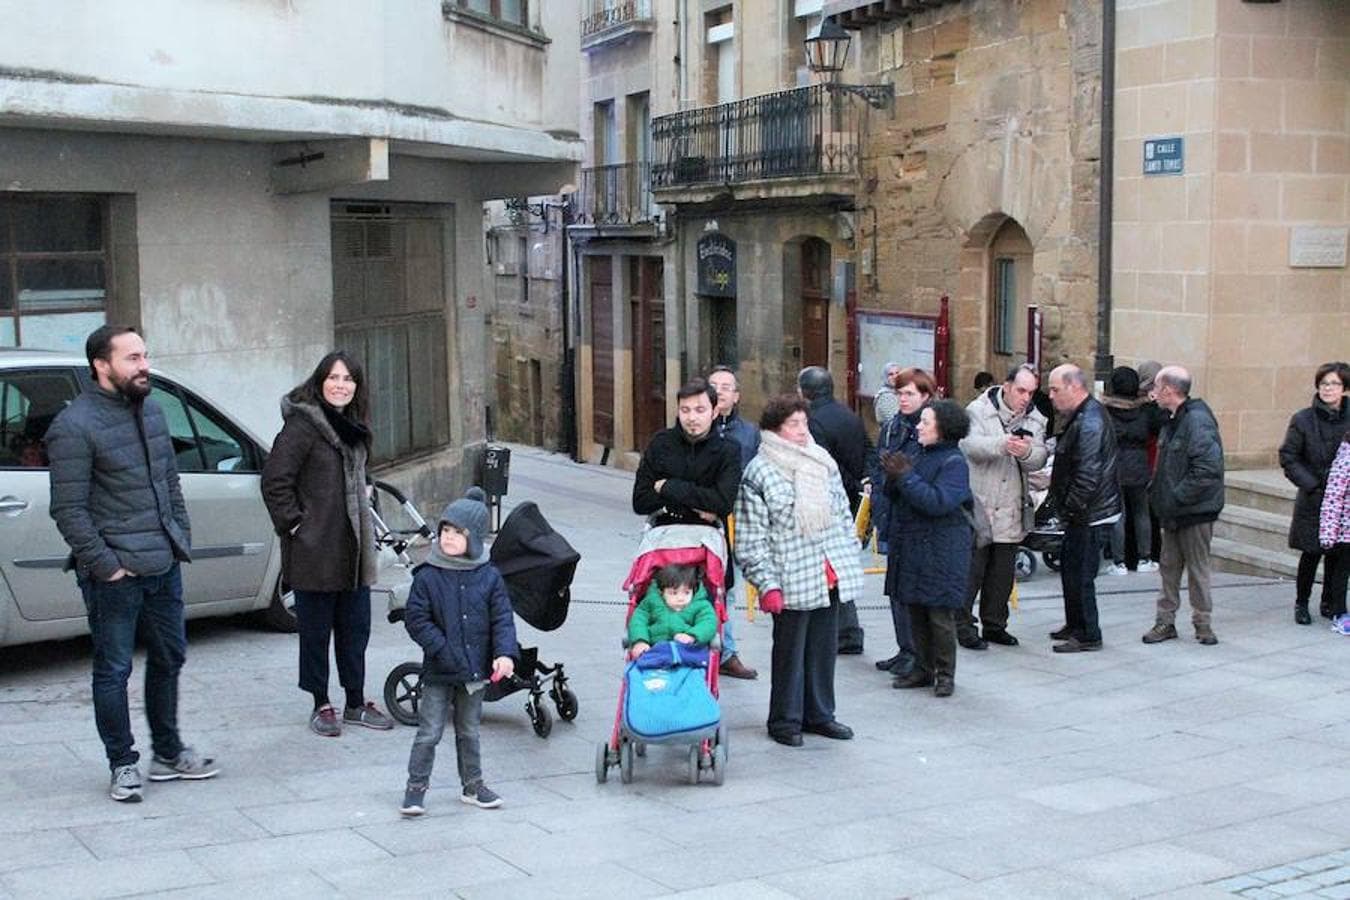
{"points": [[1229, 257], [251, 217]]}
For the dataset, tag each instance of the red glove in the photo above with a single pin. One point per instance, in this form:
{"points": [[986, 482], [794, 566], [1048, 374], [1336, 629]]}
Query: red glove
{"points": [[771, 601]]}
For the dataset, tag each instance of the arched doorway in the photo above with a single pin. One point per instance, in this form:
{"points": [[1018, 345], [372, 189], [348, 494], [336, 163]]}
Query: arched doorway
{"points": [[996, 287]]}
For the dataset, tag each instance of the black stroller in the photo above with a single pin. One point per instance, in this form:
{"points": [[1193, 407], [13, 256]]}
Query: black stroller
{"points": [[537, 565]]}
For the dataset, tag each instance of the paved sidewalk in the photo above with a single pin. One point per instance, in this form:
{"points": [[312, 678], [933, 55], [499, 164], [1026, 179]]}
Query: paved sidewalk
{"points": [[1175, 770]]}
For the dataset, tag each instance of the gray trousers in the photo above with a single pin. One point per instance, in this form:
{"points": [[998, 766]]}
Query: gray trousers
{"points": [[432, 712], [1186, 549]]}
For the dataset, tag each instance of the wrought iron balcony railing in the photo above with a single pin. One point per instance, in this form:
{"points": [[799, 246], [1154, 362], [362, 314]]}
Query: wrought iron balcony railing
{"points": [[614, 195], [801, 133], [600, 16]]}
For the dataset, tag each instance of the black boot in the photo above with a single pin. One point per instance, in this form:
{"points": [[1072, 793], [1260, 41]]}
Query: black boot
{"points": [[1301, 614]]}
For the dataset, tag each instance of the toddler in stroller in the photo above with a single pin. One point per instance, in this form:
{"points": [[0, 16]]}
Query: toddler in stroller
{"points": [[669, 691]]}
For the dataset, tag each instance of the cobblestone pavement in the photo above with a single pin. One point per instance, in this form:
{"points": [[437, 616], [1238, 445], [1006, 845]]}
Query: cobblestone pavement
{"points": [[1175, 770]]}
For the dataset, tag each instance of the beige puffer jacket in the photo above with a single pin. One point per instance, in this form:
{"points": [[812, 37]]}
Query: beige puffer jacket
{"points": [[995, 479]]}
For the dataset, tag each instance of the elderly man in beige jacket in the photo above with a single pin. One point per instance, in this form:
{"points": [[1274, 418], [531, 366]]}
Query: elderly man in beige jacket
{"points": [[1006, 443]]}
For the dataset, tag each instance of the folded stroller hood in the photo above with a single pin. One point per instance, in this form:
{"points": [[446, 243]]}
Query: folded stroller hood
{"points": [[537, 565]]}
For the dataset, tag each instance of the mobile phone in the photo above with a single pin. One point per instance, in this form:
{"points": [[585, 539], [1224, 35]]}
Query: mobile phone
{"points": [[1021, 433]]}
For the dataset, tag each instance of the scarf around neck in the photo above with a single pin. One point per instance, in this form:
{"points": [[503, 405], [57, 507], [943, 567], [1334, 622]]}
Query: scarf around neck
{"points": [[810, 469]]}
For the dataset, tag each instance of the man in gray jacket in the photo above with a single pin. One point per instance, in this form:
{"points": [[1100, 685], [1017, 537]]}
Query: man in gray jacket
{"points": [[1187, 496], [1005, 444], [116, 500]]}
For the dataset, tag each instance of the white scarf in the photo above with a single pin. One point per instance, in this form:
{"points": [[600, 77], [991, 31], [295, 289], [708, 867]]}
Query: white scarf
{"points": [[811, 470]]}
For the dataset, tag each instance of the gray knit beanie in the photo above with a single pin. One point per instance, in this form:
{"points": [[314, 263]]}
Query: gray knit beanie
{"points": [[469, 514]]}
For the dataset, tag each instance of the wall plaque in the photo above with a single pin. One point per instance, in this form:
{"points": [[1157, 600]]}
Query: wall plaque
{"points": [[1311, 247], [1165, 156]]}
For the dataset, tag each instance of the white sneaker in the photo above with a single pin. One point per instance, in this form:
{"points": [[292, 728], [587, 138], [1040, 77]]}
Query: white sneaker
{"points": [[126, 784], [1148, 565], [1117, 569]]}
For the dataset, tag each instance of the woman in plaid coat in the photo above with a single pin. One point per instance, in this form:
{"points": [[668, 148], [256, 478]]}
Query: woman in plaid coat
{"points": [[795, 543]]}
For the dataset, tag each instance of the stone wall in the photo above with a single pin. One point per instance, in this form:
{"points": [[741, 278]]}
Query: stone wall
{"points": [[996, 118], [1261, 94]]}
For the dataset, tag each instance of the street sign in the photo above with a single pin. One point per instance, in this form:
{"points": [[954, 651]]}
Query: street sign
{"points": [[1164, 156]]}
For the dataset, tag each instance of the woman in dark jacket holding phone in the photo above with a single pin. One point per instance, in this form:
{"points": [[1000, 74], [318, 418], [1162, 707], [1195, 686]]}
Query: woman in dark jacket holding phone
{"points": [[314, 486], [1309, 447]]}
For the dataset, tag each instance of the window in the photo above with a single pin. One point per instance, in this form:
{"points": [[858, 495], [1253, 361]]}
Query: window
{"points": [[1005, 304], [524, 268], [606, 134], [514, 11], [53, 266], [201, 440], [29, 401], [389, 294]]}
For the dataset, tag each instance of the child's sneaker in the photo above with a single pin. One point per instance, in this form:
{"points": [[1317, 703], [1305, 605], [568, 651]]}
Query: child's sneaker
{"points": [[414, 801], [126, 784], [481, 796], [1341, 624]]}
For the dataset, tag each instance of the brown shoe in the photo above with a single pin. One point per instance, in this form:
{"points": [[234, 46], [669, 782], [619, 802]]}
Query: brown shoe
{"points": [[734, 668]]}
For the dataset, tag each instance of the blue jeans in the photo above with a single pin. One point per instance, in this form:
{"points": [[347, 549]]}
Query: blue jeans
{"points": [[153, 606], [1080, 558], [432, 711]]}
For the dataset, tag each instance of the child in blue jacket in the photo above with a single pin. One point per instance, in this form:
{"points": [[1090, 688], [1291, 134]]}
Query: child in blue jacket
{"points": [[460, 614]]}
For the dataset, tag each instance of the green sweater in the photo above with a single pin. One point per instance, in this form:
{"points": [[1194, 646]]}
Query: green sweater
{"points": [[652, 621]]}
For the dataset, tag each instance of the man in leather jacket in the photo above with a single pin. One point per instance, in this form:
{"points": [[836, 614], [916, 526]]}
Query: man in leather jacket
{"points": [[1085, 496]]}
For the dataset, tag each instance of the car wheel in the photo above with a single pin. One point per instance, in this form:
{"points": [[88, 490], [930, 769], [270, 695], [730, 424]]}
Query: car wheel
{"points": [[280, 613]]}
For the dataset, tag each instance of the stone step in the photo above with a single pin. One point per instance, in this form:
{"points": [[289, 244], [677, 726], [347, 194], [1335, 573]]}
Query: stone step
{"points": [[1255, 527], [1264, 489], [1244, 559]]}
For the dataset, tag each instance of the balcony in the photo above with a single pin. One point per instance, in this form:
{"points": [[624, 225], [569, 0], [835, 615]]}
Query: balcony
{"points": [[803, 142], [603, 21], [619, 195]]}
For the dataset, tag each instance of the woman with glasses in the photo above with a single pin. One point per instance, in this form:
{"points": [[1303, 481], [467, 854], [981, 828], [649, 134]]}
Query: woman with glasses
{"points": [[1306, 455]]}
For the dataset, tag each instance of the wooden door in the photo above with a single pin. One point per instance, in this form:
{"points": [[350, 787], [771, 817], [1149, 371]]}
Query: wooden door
{"points": [[648, 307], [601, 274], [815, 303]]}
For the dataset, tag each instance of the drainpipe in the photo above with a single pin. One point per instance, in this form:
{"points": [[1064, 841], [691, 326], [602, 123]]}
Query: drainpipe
{"points": [[1105, 361]]}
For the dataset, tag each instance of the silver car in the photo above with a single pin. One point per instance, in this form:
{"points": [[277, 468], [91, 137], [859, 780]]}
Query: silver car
{"points": [[236, 560]]}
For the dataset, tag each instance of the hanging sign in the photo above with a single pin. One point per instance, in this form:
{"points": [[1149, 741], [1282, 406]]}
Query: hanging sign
{"points": [[716, 265]]}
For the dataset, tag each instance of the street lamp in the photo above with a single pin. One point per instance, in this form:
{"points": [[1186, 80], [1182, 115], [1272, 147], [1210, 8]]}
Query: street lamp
{"points": [[827, 48], [827, 53]]}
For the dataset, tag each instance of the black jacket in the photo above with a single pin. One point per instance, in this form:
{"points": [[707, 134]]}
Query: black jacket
{"points": [[836, 428], [1130, 421], [1084, 487], [700, 475], [115, 494], [1309, 447], [461, 618], [314, 488], [1187, 487]]}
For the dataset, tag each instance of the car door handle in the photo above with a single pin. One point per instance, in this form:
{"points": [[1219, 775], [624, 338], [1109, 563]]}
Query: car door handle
{"points": [[12, 505]]}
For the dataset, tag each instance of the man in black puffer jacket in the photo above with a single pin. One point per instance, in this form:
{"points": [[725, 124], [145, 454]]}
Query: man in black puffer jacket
{"points": [[688, 474], [1187, 496], [1085, 495], [116, 500]]}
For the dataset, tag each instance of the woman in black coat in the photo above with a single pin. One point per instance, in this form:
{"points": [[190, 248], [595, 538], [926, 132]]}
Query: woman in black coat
{"points": [[931, 536], [1306, 455], [314, 486]]}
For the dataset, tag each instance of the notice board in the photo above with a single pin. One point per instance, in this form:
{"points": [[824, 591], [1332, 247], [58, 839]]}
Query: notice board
{"points": [[883, 337]]}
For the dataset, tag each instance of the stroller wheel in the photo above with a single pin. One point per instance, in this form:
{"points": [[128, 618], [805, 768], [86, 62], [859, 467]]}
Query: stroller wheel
{"points": [[719, 764], [602, 762], [723, 739], [539, 718], [693, 764], [626, 762], [639, 748], [1024, 566], [566, 701], [403, 691], [1051, 560]]}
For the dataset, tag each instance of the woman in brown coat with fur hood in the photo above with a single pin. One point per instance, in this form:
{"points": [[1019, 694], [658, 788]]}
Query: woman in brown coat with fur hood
{"points": [[314, 486]]}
